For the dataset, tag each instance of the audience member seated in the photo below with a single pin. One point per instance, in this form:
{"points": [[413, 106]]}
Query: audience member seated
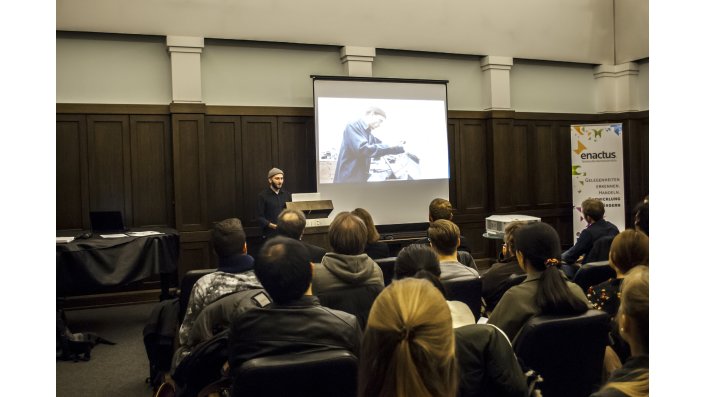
{"points": [[234, 273], [445, 239], [641, 216], [420, 261], [545, 290], [374, 248], [629, 249], [495, 279], [633, 319], [408, 348], [291, 223], [442, 209], [593, 212], [295, 321], [347, 279]]}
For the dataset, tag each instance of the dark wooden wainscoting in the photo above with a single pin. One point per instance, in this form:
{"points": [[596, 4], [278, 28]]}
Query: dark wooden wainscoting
{"points": [[187, 166]]}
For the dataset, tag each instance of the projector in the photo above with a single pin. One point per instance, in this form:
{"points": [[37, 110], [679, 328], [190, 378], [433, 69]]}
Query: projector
{"points": [[495, 224]]}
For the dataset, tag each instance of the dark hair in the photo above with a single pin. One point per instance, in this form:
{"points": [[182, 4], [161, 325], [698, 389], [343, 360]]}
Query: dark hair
{"points": [[291, 223], [641, 216], [228, 237], [372, 234], [540, 247], [440, 209], [593, 208], [444, 236], [347, 234], [509, 231], [413, 258], [284, 269], [376, 110]]}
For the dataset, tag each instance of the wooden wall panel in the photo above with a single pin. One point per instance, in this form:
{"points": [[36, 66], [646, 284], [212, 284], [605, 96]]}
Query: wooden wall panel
{"points": [[511, 177], [563, 162], [71, 173], [109, 174], [636, 157], [544, 154], [471, 166], [453, 136], [259, 145], [224, 167], [151, 162], [189, 172], [296, 147]]}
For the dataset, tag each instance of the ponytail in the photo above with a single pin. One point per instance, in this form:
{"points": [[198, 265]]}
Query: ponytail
{"points": [[540, 246]]}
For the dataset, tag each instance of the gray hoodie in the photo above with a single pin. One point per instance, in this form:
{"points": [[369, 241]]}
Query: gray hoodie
{"points": [[338, 271]]}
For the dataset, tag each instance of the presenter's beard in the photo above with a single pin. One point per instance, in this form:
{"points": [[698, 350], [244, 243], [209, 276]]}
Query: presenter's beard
{"points": [[276, 186]]}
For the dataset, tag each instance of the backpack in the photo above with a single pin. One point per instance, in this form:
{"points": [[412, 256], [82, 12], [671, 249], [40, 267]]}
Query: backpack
{"points": [[74, 346], [202, 366], [159, 335]]}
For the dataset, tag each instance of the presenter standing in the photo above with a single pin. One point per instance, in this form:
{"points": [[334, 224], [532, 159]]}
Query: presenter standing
{"points": [[271, 201], [359, 146]]}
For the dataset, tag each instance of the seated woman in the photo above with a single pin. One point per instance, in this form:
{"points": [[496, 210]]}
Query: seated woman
{"points": [[485, 357], [420, 261], [374, 249], [629, 249], [545, 290], [633, 319], [408, 348], [495, 280]]}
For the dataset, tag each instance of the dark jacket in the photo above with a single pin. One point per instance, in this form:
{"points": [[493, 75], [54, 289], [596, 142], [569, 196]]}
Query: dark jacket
{"points": [[302, 325], [358, 148], [494, 281], [587, 238], [487, 363], [377, 250], [315, 252], [269, 205], [631, 369]]}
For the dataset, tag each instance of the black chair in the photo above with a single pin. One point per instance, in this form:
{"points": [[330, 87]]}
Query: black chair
{"points": [[567, 351], [187, 284], [354, 300], [466, 259], [387, 266], [511, 281], [466, 290], [600, 250], [324, 373], [593, 273]]}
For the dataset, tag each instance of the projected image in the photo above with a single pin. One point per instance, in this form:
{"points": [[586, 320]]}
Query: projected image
{"points": [[375, 140]]}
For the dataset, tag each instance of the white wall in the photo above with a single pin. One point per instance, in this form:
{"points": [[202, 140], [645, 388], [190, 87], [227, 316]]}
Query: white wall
{"points": [[559, 30], [631, 28], [552, 87], [117, 69]]}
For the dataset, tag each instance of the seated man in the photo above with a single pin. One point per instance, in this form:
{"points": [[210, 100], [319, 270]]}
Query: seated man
{"points": [[234, 273], [593, 211], [494, 281], [291, 223], [295, 322], [445, 239], [347, 279], [442, 209]]}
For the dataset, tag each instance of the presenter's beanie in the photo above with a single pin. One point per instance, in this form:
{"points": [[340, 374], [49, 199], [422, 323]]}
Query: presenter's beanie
{"points": [[274, 171]]}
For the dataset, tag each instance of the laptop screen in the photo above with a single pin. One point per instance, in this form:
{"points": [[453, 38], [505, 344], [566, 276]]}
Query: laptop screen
{"points": [[106, 221]]}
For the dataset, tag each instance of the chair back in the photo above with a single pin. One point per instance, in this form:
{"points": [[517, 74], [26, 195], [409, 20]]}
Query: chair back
{"points": [[567, 351], [600, 250], [466, 290], [387, 266], [354, 300], [466, 259], [502, 288], [593, 273], [187, 283], [322, 373]]}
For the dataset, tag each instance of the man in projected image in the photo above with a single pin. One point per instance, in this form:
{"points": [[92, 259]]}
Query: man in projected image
{"points": [[359, 147]]}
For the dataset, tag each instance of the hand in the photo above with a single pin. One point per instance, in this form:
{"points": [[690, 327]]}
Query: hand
{"points": [[272, 226]]}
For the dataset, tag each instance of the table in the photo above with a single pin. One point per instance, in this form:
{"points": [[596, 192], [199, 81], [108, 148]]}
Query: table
{"points": [[89, 265]]}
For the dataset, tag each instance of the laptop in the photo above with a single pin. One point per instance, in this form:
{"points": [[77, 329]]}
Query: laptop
{"points": [[107, 222]]}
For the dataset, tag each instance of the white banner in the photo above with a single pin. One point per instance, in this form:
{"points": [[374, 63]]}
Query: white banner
{"points": [[598, 171]]}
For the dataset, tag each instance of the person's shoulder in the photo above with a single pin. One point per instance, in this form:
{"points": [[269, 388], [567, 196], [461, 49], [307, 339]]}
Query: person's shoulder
{"points": [[337, 315]]}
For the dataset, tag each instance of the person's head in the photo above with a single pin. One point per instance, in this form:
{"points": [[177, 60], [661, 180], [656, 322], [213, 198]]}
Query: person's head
{"points": [[440, 209], [228, 238], [291, 223], [444, 236], [415, 257], [593, 210], [509, 231], [629, 248], [284, 269], [409, 347], [276, 178], [372, 234], [538, 249], [374, 117], [347, 234], [641, 216]]}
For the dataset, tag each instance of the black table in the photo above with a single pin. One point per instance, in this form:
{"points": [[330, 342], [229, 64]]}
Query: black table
{"points": [[89, 265]]}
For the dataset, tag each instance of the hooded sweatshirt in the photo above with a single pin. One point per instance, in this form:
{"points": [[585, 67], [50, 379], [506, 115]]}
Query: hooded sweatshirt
{"points": [[338, 271]]}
